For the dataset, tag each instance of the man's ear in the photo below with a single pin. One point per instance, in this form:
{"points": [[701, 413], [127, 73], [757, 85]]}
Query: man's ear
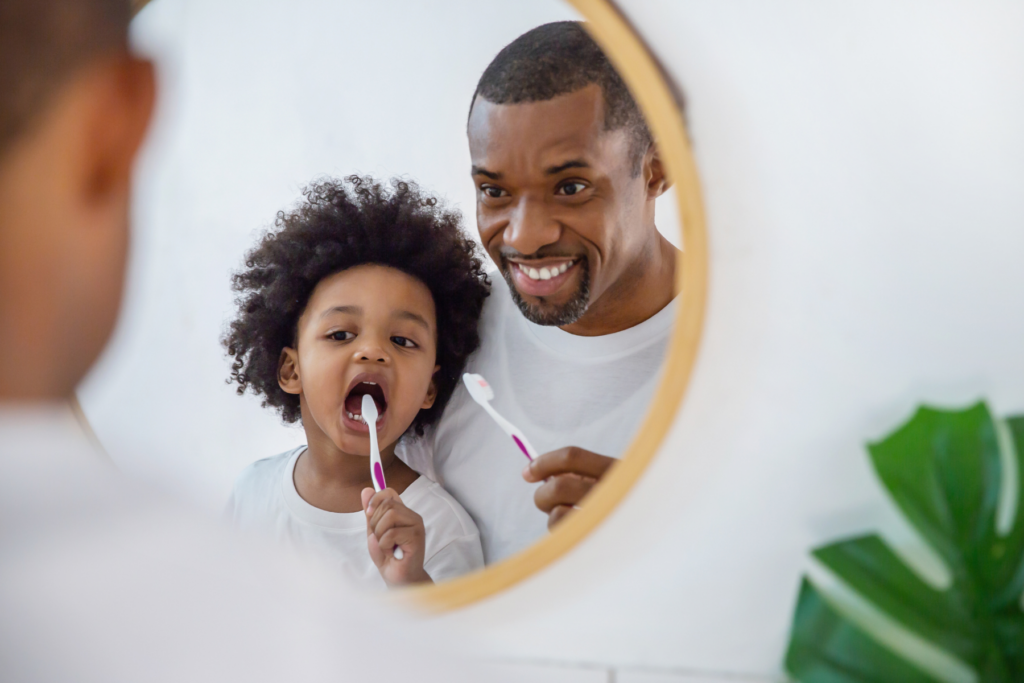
{"points": [[117, 126], [428, 401], [656, 181], [288, 371]]}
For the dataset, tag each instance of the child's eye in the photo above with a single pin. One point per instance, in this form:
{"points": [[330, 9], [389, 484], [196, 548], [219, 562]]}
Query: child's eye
{"points": [[341, 335], [493, 191], [404, 342], [571, 188]]}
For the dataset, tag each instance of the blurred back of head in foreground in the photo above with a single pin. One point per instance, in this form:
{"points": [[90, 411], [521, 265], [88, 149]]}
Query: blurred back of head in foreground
{"points": [[75, 107], [101, 579]]}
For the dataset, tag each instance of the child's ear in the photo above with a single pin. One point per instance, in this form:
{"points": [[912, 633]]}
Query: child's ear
{"points": [[288, 371], [428, 402]]}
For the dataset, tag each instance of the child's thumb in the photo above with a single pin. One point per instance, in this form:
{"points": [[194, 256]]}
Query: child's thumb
{"points": [[365, 495]]}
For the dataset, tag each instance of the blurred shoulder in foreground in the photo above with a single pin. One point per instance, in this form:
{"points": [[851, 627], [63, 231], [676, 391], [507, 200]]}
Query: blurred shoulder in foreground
{"points": [[101, 579]]}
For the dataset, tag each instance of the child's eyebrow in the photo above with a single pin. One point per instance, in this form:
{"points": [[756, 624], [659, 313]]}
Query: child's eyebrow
{"points": [[354, 310], [413, 317]]}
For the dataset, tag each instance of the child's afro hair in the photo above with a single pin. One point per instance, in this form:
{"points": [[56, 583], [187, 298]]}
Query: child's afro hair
{"points": [[342, 224]]}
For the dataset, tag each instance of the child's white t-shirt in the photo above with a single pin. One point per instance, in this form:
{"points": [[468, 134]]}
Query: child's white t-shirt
{"points": [[266, 502]]}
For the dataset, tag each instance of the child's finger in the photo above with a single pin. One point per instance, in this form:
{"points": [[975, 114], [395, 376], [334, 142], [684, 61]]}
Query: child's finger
{"points": [[379, 510], [365, 495], [384, 506], [390, 520], [399, 536], [376, 554], [380, 497]]}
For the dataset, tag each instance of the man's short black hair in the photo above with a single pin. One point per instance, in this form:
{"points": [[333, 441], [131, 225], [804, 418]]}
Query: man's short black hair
{"points": [[557, 59], [342, 224], [42, 42]]}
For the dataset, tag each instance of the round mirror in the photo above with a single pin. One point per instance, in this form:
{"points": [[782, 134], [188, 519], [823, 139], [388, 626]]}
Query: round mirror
{"points": [[578, 207]]}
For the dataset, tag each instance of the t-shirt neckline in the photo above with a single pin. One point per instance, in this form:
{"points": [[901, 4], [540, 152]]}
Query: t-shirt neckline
{"points": [[603, 346], [325, 518]]}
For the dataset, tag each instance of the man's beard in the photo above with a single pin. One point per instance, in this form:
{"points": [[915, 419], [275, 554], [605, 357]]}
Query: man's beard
{"points": [[567, 313]]}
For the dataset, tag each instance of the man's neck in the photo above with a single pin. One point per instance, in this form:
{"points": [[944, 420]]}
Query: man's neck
{"points": [[635, 297]]}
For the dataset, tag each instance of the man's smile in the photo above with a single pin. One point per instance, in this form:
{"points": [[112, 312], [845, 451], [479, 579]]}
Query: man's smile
{"points": [[542, 277]]}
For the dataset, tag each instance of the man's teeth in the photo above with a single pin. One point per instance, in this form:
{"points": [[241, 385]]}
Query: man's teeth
{"points": [[545, 273]]}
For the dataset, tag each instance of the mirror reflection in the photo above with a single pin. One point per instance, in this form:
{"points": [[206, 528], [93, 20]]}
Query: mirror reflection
{"points": [[449, 224]]}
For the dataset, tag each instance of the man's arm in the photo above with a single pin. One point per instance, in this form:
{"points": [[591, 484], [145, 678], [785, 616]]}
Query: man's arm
{"points": [[568, 475]]}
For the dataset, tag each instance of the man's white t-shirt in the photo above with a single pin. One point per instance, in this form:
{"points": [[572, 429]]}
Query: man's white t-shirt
{"points": [[560, 389], [266, 502]]}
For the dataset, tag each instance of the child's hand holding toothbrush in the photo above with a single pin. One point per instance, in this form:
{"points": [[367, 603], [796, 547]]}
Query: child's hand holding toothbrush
{"points": [[390, 524]]}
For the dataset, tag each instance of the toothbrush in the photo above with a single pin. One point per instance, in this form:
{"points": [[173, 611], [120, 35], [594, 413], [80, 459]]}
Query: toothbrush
{"points": [[376, 471], [483, 394]]}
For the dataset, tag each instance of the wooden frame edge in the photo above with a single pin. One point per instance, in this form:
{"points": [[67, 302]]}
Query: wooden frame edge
{"points": [[655, 95]]}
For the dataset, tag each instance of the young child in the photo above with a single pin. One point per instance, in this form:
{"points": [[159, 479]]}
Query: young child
{"points": [[360, 290]]}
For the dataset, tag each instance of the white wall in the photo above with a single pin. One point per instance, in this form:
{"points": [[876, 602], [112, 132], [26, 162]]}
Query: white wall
{"points": [[863, 165]]}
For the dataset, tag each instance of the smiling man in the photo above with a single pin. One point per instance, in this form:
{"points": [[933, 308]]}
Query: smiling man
{"points": [[571, 342]]}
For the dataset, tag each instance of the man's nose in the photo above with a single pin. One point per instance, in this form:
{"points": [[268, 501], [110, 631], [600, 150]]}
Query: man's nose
{"points": [[531, 226], [371, 350]]}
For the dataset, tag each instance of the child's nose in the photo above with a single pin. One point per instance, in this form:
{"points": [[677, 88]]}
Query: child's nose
{"points": [[372, 353]]}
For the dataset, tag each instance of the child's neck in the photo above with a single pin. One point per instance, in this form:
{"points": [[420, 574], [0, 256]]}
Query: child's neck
{"points": [[330, 479]]}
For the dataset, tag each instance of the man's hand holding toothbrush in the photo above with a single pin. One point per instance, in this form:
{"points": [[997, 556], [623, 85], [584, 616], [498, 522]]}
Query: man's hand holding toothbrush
{"points": [[568, 475]]}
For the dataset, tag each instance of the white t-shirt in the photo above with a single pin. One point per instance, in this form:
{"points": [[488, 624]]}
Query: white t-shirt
{"points": [[561, 389], [266, 502], [103, 579]]}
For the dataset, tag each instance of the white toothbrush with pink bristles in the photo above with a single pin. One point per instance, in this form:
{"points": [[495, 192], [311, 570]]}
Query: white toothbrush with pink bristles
{"points": [[376, 470], [483, 394]]}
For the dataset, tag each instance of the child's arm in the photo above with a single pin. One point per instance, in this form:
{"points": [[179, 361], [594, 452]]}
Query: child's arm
{"points": [[389, 523]]}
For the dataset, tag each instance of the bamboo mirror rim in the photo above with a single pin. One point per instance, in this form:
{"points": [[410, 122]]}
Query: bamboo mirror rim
{"points": [[655, 95]]}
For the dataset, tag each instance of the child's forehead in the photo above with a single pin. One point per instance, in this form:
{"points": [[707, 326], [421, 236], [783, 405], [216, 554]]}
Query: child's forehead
{"points": [[373, 288]]}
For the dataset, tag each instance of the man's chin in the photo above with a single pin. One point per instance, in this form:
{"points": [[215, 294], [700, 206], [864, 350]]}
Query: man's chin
{"points": [[545, 313]]}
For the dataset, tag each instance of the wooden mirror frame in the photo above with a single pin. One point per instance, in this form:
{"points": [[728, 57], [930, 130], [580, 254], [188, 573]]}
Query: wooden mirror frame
{"points": [[656, 97]]}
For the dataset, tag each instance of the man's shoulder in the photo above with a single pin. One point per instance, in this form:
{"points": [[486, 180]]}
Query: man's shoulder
{"points": [[440, 509], [497, 306]]}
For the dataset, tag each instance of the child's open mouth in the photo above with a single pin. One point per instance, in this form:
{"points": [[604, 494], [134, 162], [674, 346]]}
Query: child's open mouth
{"points": [[366, 384]]}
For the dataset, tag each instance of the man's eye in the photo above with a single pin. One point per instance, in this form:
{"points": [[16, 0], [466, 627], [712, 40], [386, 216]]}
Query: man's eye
{"points": [[493, 192], [341, 336], [404, 342], [571, 188]]}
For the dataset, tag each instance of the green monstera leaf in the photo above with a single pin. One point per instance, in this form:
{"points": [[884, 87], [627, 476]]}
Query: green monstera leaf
{"points": [[944, 471]]}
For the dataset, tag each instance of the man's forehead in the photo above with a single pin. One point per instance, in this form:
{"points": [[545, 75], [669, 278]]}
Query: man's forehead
{"points": [[569, 124]]}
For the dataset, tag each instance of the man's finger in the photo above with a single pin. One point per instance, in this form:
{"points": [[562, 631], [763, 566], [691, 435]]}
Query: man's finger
{"points": [[557, 513], [564, 489], [569, 460]]}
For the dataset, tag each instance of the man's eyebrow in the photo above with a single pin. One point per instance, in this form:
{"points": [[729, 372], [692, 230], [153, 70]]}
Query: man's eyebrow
{"points": [[413, 317], [354, 310], [480, 170], [575, 163]]}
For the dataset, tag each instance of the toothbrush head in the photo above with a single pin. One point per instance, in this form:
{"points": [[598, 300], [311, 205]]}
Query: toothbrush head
{"points": [[478, 387], [369, 411]]}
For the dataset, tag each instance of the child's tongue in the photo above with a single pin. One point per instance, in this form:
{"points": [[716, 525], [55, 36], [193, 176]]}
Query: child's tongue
{"points": [[354, 404]]}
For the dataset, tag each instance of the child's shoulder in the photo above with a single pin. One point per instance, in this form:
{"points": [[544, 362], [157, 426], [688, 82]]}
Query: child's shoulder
{"points": [[262, 475]]}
